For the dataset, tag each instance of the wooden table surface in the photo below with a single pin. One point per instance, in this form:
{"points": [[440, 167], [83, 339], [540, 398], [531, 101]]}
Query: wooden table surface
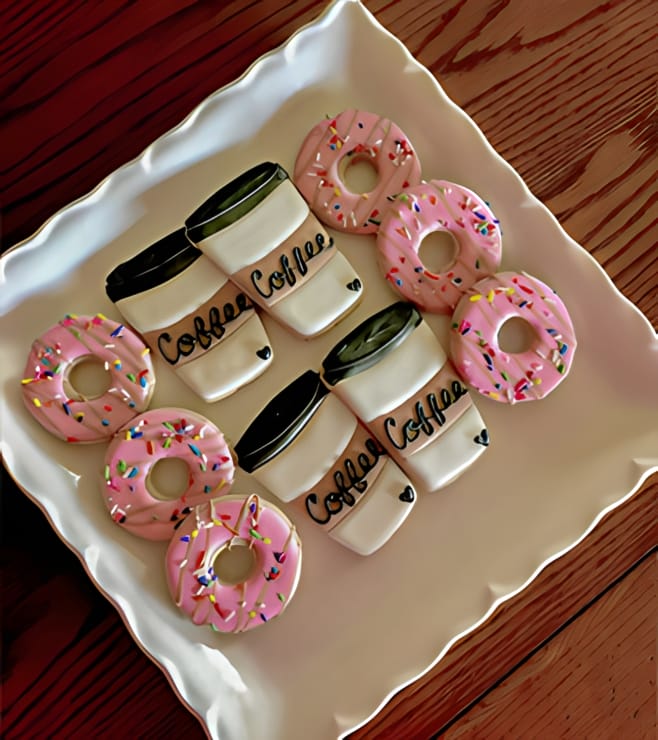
{"points": [[566, 92]]}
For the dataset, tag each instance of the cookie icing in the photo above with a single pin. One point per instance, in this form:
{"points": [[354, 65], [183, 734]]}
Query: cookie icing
{"points": [[195, 582], [309, 450], [392, 372], [434, 206], [331, 497], [510, 377], [394, 354], [200, 323], [297, 258], [274, 248], [135, 450], [58, 407], [190, 337], [437, 405], [329, 149]]}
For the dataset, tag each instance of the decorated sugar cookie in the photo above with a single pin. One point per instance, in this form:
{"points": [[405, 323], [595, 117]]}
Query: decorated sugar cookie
{"points": [[332, 146], [309, 449], [203, 326], [505, 376], [57, 405], [260, 232], [430, 207], [129, 491], [195, 575], [394, 375]]}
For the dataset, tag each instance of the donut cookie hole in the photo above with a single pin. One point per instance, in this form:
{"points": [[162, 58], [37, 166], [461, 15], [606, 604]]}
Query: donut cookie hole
{"points": [[516, 335], [359, 174], [168, 478], [438, 251], [235, 563], [86, 379]]}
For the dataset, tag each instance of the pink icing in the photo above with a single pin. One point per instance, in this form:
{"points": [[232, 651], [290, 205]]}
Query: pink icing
{"points": [[523, 376], [354, 136], [158, 434], [219, 523], [46, 390], [437, 205]]}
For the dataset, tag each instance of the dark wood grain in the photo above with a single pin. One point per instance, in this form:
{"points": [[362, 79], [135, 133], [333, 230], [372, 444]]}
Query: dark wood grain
{"points": [[605, 688], [565, 91]]}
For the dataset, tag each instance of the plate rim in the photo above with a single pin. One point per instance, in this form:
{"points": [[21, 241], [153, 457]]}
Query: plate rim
{"points": [[33, 242]]}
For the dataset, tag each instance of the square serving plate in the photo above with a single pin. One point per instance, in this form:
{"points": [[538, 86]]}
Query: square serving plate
{"points": [[358, 628]]}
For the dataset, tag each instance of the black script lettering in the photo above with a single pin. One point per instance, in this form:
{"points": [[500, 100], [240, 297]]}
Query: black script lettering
{"points": [[229, 314], [277, 281], [354, 478], [215, 320], [204, 335], [165, 337], [421, 421], [242, 302], [299, 259], [458, 390], [286, 276], [319, 240]]}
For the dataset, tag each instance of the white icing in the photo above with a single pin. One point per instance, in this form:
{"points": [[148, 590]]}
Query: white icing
{"points": [[312, 454], [449, 455], [396, 377], [259, 231], [228, 365], [380, 513], [320, 301], [169, 302]]}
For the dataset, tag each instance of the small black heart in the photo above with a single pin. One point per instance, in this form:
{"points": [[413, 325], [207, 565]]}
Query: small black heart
{"points": [[482, 438], [355, 285], [264, 353], [408, 495]]}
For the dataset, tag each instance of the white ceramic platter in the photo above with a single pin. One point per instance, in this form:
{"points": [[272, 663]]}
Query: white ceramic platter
{"points": [[358, 628]]}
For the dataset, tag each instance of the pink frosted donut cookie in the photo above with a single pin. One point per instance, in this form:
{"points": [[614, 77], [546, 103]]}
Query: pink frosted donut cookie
{"points": [[332, 146], [198, 580], [512, 377], [54, 402], [437, 205], [130, 493]]}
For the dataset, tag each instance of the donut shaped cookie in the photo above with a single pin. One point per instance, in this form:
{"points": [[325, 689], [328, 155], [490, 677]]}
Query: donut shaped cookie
{"points": [[437, 205], [52, 400], [329, 149], [512, 377], [129, 493], [195, 580]]}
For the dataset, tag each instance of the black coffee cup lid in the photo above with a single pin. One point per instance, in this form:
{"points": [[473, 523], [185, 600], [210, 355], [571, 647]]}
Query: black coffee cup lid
{"points": [[235, 199], [156, 264], [370, 341], [281, 421]]}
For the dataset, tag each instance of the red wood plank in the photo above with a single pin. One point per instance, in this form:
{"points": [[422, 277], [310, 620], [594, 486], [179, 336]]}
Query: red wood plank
{"points": [[597, 678], [564, 91]]}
